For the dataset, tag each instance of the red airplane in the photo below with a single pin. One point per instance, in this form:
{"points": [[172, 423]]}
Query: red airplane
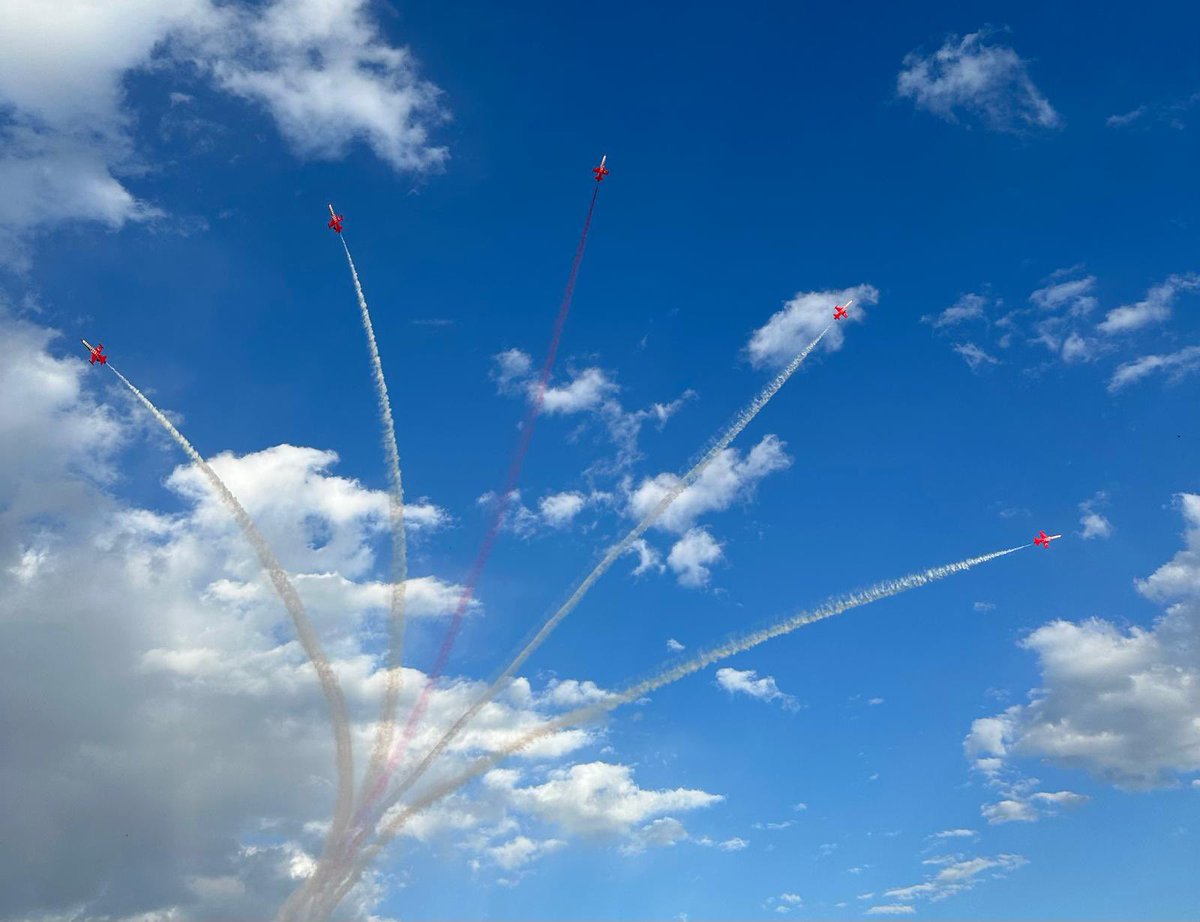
{"points": [[600, 170], [97, 352], [839, 310], [1043, 540], [335, 221]]}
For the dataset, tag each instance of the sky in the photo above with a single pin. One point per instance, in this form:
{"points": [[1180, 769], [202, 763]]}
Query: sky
{"points": [[1009, 194]]}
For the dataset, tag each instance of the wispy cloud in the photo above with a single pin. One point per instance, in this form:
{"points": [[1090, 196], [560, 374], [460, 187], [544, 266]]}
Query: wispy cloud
{"points": [[976, 79]]}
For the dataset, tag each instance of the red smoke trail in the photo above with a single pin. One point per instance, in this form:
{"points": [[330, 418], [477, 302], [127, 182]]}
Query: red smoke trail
{"points": [[489, 539]]}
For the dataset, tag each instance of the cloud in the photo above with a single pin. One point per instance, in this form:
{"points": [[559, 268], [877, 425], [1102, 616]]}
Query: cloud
{"points": [[955, 834], [587, 390], [674, 646], [319, 68], [521, 850], [593, 800], [733, 845], [1120, 703], [745, 682], [957, 874], [1154, 308], [795, 326], [974, 356], [692, 555], [1177, 364], [1075, 294], [985, 82], [559, 509], [648, 558], [1094, 524], [1172, 113], [891, 909], [662, 833], [727, 479], [968, 307]]}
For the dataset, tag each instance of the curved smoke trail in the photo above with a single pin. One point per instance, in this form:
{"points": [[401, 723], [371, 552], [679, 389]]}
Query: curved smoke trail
{"points": [[386, 726], [673, 673], [291, 600], [740, 422], [489, 541]]}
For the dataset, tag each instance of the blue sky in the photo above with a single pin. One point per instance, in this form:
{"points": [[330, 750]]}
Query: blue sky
{"points": [[1015, 193]]}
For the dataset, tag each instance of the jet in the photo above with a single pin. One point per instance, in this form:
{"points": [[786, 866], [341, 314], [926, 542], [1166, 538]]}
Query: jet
{"points": [[839, 310], [600, 170], [335, 221], [1043, 540], [97, 352]]}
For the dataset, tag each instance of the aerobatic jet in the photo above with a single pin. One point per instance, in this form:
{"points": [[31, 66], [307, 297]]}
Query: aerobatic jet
{"points": [[839, 310], [97, 352], [1043, 540], [601, 171], [335, 221]]}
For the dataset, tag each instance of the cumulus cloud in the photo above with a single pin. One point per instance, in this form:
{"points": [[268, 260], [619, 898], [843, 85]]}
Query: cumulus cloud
{"points": [[692, 556], [1094, 524], [972, 79], [1154, 308], [558, 510], [1076, 295], [791, 329], [729, 478], [955, 834], [319, 68], [746, 682], [187, 633], [1120, 703]]}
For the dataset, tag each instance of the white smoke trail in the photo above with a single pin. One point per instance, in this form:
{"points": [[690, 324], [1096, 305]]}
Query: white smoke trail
{"points": [[387, 721], [740, 422], [386, 726], [668, 675], [295, 608]]}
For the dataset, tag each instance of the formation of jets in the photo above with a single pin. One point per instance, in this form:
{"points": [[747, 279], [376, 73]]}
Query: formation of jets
{"points": [[97, 352], [1043, 540]]}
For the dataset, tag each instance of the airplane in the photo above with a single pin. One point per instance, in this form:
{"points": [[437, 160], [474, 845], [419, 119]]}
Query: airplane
{"points": [[1043, 540], [335, 221], [839, 310], [97, 352], [600, 170]]}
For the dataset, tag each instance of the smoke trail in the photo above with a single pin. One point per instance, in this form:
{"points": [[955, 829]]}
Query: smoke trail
{"points": [[485, 550], [739, 423], [386, 726], [287, 593], [668, 675], [387, 717]]}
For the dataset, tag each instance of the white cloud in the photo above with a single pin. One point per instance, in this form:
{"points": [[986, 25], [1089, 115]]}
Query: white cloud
{"points": [[662, 833], [957, 874], [874, 701], [1075, 294], [788, 331], [1094, 524], [648, 558], [692, 555], [674, 645], [968, 307], [984, 606], [891, 909], [559, 509], [955, 834], [1178, 364], [727, 479], [1119, 703], [985, 81], [319, 67], [512, 366], [1154, 308], [733, 845], [595, 799], [745, 682], [587, 390], [521, 850], [975, 356]]}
